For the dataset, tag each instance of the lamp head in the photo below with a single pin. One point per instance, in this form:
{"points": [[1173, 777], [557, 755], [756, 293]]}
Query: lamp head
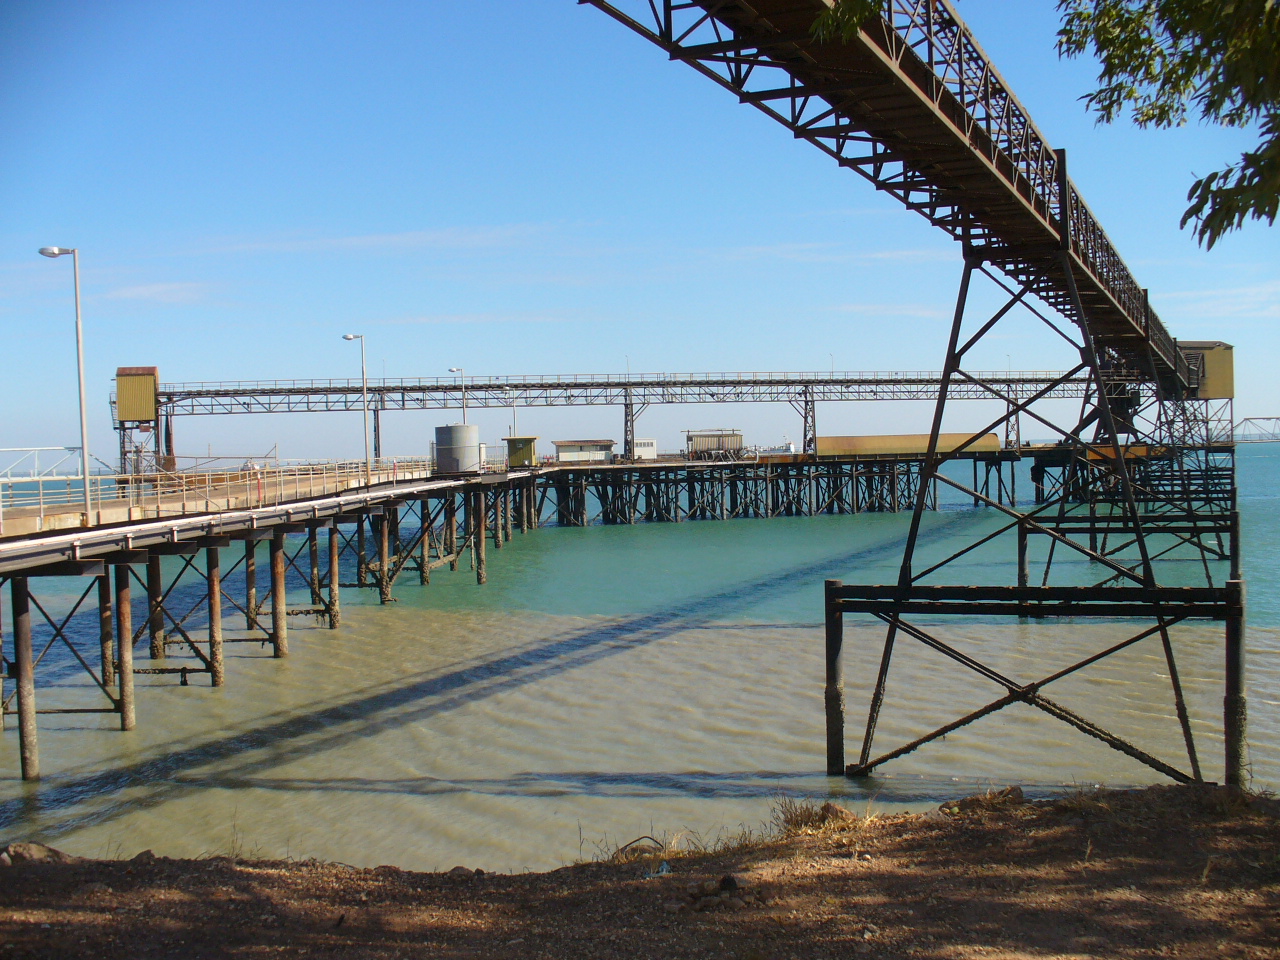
{"points": [[455, 369], [54, 251], [351, 336]]}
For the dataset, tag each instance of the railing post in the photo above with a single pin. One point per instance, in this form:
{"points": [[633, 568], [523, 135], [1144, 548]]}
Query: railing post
{"points": [[834, 691]]}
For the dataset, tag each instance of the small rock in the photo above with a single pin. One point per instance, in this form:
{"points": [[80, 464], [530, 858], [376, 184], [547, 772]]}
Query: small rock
{"points": [[832, 812], [461, 871], [736, 903], [4, 860], [706, 903], [693, 889], [146, 856], [709, 888], [730, 883], [95, 887], [675, 906], [480, 873], [38, 853], [935, 814]]}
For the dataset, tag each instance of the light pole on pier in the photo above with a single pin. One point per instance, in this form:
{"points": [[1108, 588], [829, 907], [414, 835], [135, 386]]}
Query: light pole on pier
{"points": [[364, 398], [462, 381], [84, 421]]}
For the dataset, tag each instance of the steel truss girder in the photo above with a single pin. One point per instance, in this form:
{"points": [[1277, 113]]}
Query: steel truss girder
{"points": [[310, 396]]}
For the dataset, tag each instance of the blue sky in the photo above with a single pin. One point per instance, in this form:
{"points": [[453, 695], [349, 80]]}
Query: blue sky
{"points": [[510, 187]]}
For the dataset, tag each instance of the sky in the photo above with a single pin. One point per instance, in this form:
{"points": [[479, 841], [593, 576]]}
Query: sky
{"points": [[513, 187]]}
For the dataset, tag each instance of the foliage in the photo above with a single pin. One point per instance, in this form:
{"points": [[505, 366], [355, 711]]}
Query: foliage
{"points": [[1166, 58], [845, 19]]}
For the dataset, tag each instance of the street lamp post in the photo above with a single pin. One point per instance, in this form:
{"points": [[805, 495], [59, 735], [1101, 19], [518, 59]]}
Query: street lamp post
{"points": [[84, 420], [364, 400], [462, 381]]}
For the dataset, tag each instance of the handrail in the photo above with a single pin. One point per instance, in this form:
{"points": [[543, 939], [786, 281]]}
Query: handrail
{"points": [[43, 499]]}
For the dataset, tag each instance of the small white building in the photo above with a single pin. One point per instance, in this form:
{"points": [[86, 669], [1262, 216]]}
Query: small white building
{"points": [[583, 451], [646, 449]]}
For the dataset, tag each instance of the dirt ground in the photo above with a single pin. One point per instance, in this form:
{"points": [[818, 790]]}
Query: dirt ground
{"points": [[1161, 872]]}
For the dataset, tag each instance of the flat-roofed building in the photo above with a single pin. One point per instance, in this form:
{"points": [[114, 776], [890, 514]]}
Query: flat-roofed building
{"points": [[584, 451], [646, 450]]}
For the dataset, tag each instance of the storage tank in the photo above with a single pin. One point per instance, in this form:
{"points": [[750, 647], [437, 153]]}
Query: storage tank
{"points": [[458, 448]]}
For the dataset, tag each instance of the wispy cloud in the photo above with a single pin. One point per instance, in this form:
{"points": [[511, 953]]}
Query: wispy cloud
{"points": [[449, 238], [160, 292], [833, 253], [919, 311], [442, 318], [1253, 302]]}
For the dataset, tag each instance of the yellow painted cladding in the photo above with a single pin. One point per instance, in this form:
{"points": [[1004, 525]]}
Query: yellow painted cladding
{"points": [[904, 444], [1218, 379], [136, 389], [522, 451]]}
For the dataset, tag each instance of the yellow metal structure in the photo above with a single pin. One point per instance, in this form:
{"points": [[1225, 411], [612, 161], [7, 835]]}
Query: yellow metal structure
{"points": [[522, 451], [903, 444], [136, 394], [1217, 370]]}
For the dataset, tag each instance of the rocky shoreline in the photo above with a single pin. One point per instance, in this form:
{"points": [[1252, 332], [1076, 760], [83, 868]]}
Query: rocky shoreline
{"points": [[1160, 872]]}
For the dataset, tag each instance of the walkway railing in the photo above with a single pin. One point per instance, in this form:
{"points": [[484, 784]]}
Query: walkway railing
{"points": [[35, 501]]}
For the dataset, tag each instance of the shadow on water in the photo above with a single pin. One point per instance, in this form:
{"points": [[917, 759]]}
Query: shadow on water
{"points": [[279, 740]]}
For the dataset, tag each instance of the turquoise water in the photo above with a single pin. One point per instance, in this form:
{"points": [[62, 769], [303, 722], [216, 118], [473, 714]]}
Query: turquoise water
{"points": [[614, 681]]}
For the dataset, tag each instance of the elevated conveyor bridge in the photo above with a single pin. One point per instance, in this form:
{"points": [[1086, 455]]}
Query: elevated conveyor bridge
{"points": [[914, 105]]}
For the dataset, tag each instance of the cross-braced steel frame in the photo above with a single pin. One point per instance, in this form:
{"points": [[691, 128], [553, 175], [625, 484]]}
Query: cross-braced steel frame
{"points": [[1144, 490], [912, 104]]}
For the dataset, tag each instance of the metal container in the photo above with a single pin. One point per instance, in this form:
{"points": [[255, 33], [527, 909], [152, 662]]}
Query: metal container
{"points": [[136, 389], [458, 448]]}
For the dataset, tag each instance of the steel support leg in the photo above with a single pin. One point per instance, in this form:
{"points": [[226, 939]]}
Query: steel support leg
{"points": [[835, 682], [335, 594], [382, 526], [251, 584], [106, 630], [155, 611], [24, 665], [478, 518], [213, 575], [124, 631], [1234, 707], [279, 613]]}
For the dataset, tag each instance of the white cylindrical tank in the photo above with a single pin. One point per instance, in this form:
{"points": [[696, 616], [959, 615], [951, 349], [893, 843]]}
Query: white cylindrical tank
{"points": [[458, 448]]}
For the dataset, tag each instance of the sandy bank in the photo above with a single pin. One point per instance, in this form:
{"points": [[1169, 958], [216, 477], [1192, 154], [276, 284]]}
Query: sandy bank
{"points": [[1159, 872]]}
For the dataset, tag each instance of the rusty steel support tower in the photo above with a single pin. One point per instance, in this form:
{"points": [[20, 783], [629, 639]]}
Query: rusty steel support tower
{"points": [[1143, 489]]}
